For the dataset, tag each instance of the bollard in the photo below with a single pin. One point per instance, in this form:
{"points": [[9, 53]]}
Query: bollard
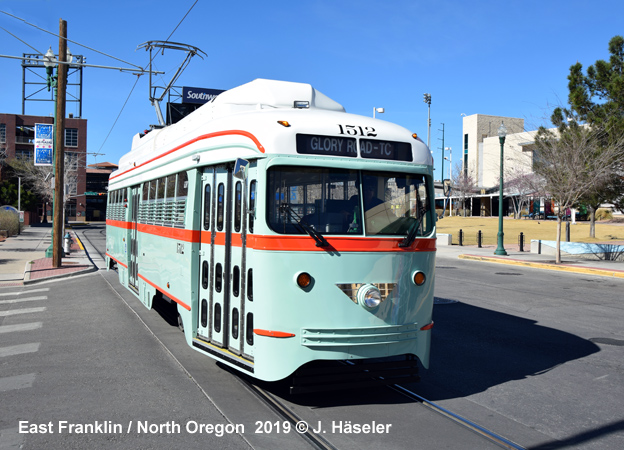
{"points": [[567, 231], [521, 241], [479, 239], [461, 237], [67, 241]]}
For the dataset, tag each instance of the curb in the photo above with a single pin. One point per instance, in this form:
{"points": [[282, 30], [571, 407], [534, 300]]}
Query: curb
{"points": [[560, 268]]}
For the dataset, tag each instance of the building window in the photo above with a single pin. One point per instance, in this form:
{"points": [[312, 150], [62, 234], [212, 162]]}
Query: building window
{"points": [[25, 155], [71, 137], [2, 133], [71, 161]]}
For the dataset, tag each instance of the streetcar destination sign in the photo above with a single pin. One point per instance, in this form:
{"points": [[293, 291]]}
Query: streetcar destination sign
{"points": [[395, 151], [326, 145], [343, 146]]}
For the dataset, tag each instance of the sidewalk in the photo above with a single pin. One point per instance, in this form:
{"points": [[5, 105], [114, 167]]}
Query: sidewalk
{"points": [[23, 261], [569, 262]]}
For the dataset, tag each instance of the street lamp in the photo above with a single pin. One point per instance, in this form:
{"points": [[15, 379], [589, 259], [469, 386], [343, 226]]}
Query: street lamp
{"points": [[427, 100], [500, 250], [378, 110], [450, 160]]}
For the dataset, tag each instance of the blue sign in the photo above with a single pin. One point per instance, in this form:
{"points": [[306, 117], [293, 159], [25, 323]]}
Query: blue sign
{"points": [[44, 141], [199, 95]]}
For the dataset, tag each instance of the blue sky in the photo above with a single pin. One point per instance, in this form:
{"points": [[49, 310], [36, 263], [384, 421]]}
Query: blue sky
{"points": [[500, 58]]}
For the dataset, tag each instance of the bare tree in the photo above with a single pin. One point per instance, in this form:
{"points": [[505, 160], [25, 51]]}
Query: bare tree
{"points": [[464, 185], [575, 161], [523, 186], [39, 179]]}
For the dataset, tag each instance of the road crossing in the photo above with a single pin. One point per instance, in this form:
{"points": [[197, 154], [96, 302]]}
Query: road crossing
{"points": [[16, 307]]}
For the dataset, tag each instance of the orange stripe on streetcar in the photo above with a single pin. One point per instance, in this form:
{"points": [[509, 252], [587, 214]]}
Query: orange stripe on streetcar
{"points": [[271, 333], [192, 141], [177, 300], [427, 327], [116, 260], [285, 242]]}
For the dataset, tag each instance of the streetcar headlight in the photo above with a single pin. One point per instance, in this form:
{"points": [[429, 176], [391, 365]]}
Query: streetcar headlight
{"points": [[369, 296]]}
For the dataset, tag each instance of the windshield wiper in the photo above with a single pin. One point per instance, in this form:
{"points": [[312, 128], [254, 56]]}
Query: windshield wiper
{"points": [[412, 232], [318, 237]]}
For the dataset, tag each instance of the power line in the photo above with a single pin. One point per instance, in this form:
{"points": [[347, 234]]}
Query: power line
{"points": [[73, 42], [180, 23], [119, 115]]}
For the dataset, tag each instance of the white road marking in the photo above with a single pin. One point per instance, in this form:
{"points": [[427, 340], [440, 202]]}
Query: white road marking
{"points": [[19, 349], [16, 382], [21, 311], [21, 327]]}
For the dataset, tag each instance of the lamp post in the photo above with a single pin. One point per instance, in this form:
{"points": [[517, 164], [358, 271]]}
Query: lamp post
{"points": [[500, 249], [59, 83], [427, 100], [378, 110], [450, 160]]}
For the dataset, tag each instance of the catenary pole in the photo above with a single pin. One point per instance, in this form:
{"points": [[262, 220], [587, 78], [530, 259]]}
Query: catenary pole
{"points": [[59, 134]]}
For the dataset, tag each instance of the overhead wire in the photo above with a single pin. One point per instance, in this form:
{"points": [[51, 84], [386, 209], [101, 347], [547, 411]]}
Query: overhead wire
{"points": [[69, 40], [138, 76]]}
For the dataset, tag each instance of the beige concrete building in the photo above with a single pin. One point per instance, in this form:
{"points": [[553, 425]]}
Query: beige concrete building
{"points": [[481, 148]]}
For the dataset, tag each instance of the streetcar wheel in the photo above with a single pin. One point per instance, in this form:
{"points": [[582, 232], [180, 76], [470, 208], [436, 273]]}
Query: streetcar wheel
{"points": [[180, 323]]}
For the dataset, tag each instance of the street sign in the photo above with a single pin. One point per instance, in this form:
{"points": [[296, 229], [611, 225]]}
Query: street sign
{"points": [[447, 187], [44, 144]]}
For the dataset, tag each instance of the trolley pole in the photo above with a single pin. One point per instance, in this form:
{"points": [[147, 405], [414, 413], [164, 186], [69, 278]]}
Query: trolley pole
{"points": [[59, 156]]}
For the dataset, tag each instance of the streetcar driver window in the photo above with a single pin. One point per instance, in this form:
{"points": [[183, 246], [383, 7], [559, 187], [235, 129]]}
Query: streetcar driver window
{"points": [[394, 203], [313, 198]]}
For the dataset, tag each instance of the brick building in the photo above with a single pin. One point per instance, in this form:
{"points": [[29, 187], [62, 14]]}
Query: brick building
{"points": [[17, 136]]}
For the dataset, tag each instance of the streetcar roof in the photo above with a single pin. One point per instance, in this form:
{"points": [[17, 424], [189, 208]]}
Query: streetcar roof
{"points": [[249, 117]]}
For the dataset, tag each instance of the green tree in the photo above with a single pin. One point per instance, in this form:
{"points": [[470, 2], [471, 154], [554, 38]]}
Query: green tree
{"points": [[597, 99]]}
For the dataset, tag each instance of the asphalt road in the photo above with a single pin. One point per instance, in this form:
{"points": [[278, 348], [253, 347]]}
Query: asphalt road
{"points": [[535, 356]]}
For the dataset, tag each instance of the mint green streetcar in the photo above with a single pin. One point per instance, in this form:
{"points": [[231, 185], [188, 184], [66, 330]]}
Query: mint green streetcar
{"points": [[290, 236]]}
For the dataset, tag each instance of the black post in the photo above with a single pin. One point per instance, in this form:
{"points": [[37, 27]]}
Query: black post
{"points": [[521, 241], [567, 231], [479, 238], [461, 238]]}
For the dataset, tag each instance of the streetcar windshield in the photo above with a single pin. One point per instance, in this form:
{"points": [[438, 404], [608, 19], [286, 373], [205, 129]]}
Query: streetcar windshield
{"points": [[339, 201]]}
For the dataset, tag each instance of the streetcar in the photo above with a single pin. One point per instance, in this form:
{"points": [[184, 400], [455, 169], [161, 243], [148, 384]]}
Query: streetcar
{"points": [[284, 230]]}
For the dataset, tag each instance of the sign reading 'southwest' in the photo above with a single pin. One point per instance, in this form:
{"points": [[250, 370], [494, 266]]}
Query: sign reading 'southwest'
{"points": [[44, 138], [199, 95]]}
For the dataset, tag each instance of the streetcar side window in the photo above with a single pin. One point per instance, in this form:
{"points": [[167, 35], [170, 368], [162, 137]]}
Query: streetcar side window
{"points": [[218, 277], [252, 205], [145, 195], [237, 206], [220, 206], [250, 285], [236, 281], [182, 190], [207, 207], [171, 185], [152, 190], [249, 329]]}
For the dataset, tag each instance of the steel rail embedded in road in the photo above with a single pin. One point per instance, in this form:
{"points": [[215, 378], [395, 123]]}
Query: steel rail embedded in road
{"points": [[491, 436], [283, 411]]}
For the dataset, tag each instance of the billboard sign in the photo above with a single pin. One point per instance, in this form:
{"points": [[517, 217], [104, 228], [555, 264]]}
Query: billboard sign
{"points": [[44, 139], [199, 95]]}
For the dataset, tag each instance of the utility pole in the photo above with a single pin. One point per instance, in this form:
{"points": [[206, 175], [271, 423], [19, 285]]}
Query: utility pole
{"points": [[59, 134], [442, 170]]}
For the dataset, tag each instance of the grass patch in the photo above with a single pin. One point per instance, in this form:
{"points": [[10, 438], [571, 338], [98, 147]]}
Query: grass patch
{"points": [[533, 229]]}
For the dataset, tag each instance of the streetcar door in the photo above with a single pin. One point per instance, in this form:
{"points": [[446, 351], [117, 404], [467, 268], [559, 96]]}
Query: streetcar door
{"points": [[133, 204], [222, 277], [209, 320]]}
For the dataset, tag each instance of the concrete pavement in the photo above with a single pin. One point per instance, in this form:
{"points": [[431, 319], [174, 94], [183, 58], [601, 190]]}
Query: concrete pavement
{"points": [[23, 261]]}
